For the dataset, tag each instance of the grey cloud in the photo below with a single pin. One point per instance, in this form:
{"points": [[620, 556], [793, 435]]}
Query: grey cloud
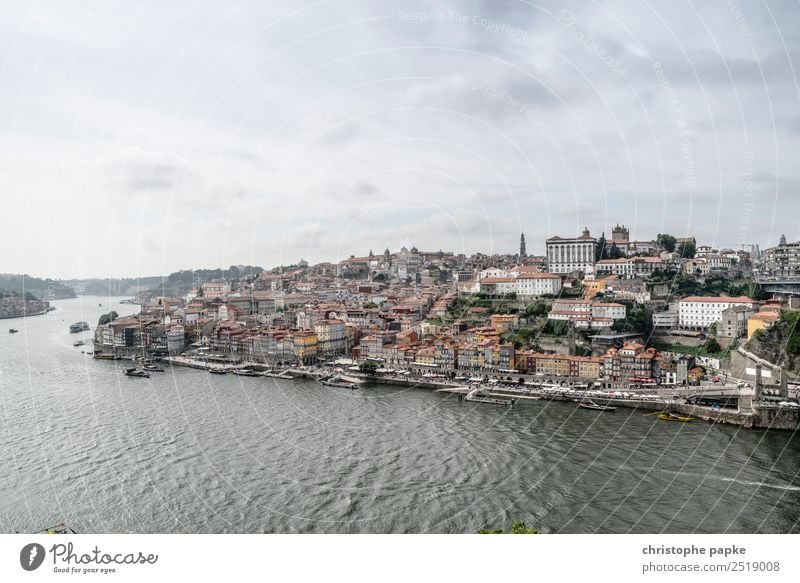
{"points": [[236, 125], [145, 177]]}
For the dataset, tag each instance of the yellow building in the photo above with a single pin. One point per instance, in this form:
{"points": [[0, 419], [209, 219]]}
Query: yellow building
{"points": [[760, 321], [426, 356], [502, 323], [593, 287], [553, 364], [588, 367], [305, 344]]}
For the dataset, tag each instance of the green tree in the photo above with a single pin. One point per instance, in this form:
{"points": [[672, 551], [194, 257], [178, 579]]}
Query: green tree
{"points": [[556, 328], [600, 252], [614, 252], [666, 242], [537, 309], [106, 318], [687, 249], [636, 320], [712, 346], [369, 367]]}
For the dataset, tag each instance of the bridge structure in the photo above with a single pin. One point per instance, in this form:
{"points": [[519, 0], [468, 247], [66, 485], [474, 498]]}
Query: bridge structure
{"points": [[784, 286]]}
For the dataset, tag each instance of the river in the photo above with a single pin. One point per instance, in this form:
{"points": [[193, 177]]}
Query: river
{"points": [[187, 452]]}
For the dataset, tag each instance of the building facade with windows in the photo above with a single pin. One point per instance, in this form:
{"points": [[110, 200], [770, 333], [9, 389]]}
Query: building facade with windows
{"points": [[571, 254], [783, 260], [699, 312]]}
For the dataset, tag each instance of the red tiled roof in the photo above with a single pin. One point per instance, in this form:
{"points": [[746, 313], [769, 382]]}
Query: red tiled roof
{"points": [[718, 299]]}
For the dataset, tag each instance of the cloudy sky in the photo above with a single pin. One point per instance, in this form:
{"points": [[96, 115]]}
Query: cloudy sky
{"points": [[141, 138]]}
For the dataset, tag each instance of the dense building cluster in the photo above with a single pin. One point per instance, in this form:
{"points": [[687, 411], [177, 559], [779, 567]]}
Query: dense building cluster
{"points": [[452, 314]]}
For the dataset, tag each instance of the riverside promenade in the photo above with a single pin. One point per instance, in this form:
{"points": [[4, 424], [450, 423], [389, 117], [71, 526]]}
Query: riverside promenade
{"points": [[749, 414]]}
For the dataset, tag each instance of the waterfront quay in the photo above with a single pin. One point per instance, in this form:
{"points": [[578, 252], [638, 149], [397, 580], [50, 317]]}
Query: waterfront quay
{"points": [[681, 400], [747, 413]]}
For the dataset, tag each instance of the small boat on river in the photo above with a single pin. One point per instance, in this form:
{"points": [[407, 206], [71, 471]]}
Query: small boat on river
{"points": [[339, 382], [132, 372], [596, 406], [670, 416]]}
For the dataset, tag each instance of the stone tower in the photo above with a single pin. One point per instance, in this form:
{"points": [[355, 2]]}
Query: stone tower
{"points": [[620, 234]]}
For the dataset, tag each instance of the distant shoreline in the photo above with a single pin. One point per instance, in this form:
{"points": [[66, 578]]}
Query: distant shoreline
{"points": [[40, 313]]}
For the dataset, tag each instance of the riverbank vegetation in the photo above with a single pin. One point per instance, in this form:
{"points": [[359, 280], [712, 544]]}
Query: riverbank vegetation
{"points": [[517, 527], [41, 289], [682, 285], [710, 348]]}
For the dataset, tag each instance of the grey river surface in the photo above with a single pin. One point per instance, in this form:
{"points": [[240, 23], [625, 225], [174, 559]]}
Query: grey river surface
{"points": [[185, 451]]}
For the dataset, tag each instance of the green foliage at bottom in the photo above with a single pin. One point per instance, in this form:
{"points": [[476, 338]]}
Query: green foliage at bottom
{"points": [[517, 527]]}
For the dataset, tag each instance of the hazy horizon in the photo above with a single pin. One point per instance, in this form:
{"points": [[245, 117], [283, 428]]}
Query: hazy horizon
{"points": [[143, 139]]}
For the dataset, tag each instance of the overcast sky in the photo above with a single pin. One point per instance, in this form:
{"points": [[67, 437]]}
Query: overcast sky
{"points": [[141, 138]]}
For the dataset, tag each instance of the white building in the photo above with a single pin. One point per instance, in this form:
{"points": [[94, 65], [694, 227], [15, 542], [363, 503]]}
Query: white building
{"points": [[579, 312], [570, 255], [498, 286], [212, 289], [538, 284], [587, 314], [700, 312], [666, 320], [609, 310], [525, 285], [494, 272], [718, 262], [629, 268]]}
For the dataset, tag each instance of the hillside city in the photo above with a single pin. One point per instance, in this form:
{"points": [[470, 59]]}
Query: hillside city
{"points": [[667, 311]]}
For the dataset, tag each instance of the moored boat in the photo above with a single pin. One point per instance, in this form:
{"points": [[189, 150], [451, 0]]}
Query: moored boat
{"points": [[277, 375], [245, 372], [670, 416], [339, 382], [596, 406], [79, 343], [217, 371], [152, 367], [132, 372]]}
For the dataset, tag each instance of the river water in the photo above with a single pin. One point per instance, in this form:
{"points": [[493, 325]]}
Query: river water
{"points": [[189, 452]]}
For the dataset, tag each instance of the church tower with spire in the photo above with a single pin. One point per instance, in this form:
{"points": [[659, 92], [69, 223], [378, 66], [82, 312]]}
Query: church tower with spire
{"points": [[522, 253]]}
